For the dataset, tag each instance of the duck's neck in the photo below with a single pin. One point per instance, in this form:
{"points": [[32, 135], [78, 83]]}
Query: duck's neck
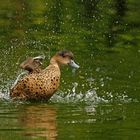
{"points": [[54, 62]]}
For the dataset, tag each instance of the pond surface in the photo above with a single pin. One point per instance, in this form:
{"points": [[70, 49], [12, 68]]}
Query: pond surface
{"points": [[67, 121], [101, 99]]}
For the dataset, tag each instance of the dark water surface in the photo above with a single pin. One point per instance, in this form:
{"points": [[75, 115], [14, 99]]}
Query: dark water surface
{"points": [[57, 121], [101, 100]]}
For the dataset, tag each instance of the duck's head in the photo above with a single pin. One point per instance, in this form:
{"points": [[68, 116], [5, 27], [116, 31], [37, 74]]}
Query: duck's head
{"points": [[64, 58], [32, 63]]}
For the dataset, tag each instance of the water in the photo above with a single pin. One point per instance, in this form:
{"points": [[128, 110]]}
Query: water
{"points": [[101, 99], [67, 121]]}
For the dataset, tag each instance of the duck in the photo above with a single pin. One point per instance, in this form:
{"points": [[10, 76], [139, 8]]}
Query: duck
{"points": [[41, 85]]}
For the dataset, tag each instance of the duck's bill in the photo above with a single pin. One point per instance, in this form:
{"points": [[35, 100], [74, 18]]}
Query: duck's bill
{"points": [[73, 64]]}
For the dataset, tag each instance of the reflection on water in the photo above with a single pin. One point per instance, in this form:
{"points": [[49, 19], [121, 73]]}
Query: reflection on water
{"points": [[28, 121], [68, 121], [39, 121]]}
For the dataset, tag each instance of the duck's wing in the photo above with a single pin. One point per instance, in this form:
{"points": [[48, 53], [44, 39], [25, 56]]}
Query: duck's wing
{"points": [[32, 64]]}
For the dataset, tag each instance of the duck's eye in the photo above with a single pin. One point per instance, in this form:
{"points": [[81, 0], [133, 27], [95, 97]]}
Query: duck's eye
{"points": [[63, 56]]}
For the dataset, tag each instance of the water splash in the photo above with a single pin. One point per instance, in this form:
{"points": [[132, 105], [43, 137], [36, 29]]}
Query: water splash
{"points": [[90, 97]]}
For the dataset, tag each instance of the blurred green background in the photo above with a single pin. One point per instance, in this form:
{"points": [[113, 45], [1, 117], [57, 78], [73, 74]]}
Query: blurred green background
{"points": [[98, 101]]}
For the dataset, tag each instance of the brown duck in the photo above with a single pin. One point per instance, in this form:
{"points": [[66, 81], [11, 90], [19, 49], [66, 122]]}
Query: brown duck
{"points": [[43, 84]]}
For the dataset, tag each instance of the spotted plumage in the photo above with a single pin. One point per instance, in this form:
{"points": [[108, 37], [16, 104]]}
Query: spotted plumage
{"points": [[42, 85]]}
